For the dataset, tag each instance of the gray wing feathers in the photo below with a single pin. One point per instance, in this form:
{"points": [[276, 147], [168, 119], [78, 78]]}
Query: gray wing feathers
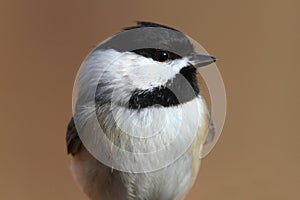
{"points": [[73, 141], [211, 132]]}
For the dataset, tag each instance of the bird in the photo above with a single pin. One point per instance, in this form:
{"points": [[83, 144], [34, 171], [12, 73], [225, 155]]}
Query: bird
{"points": [[148, 95]]}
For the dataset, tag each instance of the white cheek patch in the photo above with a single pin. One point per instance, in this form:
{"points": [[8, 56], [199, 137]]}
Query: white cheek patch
{"points": [[121, 73], [145, 73], [178, 64], [149, 74]]}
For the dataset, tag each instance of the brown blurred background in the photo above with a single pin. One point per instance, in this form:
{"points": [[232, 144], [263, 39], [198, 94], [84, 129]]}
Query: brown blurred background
{"points": [[44, 42]]}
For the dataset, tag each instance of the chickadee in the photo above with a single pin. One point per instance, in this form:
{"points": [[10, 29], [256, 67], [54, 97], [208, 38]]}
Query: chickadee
{"points": [[138, 84]]}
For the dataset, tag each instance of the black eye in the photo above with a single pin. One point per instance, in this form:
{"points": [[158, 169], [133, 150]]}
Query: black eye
{"points": [[161, 55]]}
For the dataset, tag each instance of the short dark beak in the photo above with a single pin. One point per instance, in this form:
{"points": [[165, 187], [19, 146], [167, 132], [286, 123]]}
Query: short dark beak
{"points": [[199, 60]]}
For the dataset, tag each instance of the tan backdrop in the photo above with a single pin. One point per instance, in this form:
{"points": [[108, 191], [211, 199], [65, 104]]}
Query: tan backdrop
{"points": [[257, 42]]}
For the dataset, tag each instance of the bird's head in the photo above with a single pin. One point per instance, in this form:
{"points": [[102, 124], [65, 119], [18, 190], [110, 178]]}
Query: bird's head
{"points": [[143, 66]]}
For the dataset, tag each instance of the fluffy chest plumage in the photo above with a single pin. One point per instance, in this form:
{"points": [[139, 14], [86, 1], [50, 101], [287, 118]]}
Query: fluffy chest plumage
{"points": [[180, 129]]}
